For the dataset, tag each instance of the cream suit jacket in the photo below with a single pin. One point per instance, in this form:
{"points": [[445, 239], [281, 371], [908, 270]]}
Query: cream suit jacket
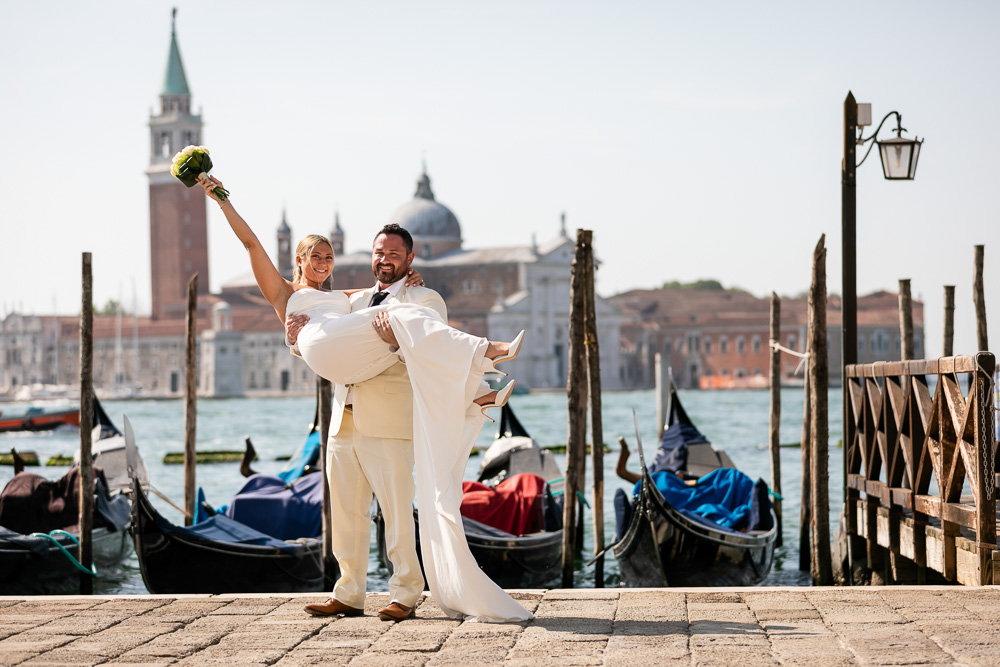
{"points": [[383, 405]]}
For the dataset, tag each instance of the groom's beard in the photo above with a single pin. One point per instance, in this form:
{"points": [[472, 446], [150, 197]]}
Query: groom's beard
{"points": [[387, 275]]}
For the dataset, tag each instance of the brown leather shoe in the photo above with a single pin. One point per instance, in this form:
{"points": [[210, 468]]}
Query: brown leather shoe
{"points": [[395, 612], [333, 607]]}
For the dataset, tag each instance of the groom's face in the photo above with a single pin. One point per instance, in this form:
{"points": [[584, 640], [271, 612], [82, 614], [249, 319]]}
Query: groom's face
{"points": [[390, 261]]}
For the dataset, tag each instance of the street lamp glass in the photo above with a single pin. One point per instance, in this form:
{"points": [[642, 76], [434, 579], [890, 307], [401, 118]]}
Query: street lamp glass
{"points": [[899, 158]]}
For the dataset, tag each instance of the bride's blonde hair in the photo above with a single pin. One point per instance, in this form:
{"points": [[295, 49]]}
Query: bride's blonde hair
{"points": [[304, 249]]}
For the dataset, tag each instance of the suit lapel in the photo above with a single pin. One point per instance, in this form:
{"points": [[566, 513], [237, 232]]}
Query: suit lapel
{"points": [[362, 299]]}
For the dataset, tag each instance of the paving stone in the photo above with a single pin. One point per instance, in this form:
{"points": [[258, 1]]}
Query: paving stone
{"points": [[216, 655], [469, 655], [132, 606], [113, 642], [253, 606], [67, 657], [145, 661], [83, 623], [35, 642], [14, 657]]}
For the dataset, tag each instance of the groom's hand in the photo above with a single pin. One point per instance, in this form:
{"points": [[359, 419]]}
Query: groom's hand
{"points": [[384, 331], [293, 325]]}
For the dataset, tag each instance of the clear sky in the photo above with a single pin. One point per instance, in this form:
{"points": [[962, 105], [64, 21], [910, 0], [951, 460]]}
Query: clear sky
{"points": [[696, 139]]}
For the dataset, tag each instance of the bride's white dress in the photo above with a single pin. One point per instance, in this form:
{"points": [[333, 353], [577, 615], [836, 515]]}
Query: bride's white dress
{"points": [[445, 366]]}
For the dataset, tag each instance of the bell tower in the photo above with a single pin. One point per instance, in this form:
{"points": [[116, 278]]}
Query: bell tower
{"points": [[285, 265], [178, 235]]}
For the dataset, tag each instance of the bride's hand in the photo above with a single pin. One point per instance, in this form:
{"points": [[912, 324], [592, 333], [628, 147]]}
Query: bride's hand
{"points": [[209, 183], [384, 331], [414, 278]]}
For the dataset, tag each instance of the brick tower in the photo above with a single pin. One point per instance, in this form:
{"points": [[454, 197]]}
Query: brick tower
{"points": [[178, 236]]}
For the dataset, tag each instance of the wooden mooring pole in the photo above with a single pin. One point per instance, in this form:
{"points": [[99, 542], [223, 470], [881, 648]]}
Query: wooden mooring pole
{"points": [[576, 392], [805, 506], [596, 423], [949, 321], [86, 505], [662, 384], [979, 298], [905, 320], [190, 400], [774, 440], [822, 570]]}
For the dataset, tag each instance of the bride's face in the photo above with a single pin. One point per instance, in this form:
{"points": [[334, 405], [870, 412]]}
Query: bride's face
{"points": [[317, 265]]}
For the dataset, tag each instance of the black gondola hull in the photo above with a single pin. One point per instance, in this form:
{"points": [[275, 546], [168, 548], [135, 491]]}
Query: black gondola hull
{"points": [[24, 571], [179, 564], [663, 547]]}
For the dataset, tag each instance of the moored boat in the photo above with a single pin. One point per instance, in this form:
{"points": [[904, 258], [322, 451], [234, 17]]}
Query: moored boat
{"points": [[660, 543], [39, 535], [218, 555], [523, 549], [37, 418]]}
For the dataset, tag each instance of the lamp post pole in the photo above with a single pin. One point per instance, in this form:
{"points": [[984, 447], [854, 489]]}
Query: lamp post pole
{"points": [[849, 288]]}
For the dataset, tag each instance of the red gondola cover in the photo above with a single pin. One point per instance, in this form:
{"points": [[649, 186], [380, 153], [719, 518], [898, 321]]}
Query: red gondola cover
{"points": [[514, 505]]}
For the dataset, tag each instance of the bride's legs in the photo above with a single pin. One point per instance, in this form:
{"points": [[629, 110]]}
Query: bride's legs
{"points": [[502, 351]]}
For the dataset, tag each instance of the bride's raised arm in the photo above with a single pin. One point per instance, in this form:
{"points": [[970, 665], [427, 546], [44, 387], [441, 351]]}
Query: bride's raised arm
{"points": [[274, 288]]}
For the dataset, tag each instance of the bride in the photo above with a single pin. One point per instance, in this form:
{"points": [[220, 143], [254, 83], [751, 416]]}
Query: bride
{"points": [[445, 367]]}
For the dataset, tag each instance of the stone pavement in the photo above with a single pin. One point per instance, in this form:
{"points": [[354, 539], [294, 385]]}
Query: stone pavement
{"points": [[746, 626]]}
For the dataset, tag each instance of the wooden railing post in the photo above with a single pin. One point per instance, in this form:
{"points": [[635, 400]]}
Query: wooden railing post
{"points": [[986, 518]]}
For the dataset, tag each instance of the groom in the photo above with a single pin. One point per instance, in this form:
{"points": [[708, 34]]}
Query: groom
{"points": [[370, 450]]}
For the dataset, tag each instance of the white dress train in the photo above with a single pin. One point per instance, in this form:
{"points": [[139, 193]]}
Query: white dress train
{"points": [[445, 366]]}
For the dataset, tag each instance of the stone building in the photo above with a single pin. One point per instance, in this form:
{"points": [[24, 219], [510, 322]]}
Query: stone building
{"points": [[720, 338]]}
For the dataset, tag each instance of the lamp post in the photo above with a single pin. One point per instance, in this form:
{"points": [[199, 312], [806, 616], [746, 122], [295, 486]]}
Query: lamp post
{"points": [[899, 162]]}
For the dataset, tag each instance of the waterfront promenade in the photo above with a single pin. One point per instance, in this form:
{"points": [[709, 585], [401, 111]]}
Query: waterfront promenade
{"points": [[747, 626]]}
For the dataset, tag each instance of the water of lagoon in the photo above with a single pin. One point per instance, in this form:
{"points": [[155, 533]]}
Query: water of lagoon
{"points": [[736, 420]]}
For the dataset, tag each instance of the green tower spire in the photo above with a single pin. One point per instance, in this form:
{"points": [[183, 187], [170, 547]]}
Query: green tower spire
{"points": [[175, 83]]}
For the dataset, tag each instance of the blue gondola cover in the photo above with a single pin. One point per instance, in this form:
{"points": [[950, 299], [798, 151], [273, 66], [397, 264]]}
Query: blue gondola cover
{"points": [[285, 511]]}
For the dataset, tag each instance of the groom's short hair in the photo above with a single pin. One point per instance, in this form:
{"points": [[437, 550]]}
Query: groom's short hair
{"points": [[393, 228]]}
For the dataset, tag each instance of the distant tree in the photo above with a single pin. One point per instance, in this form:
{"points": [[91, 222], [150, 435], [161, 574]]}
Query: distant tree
{"points": [[705, 284], [110, 308]]}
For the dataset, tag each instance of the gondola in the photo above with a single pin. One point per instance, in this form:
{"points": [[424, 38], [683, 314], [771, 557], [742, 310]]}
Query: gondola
{"points": [[39, 536], [661, 545], [529, 560], [39, 419], [218, 555]]}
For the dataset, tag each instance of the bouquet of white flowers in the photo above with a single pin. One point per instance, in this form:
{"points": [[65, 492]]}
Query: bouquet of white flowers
{"points": [[192, 164]]}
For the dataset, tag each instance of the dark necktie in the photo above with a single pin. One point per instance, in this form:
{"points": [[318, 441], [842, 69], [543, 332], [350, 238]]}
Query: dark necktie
{"points": [[379, 298]]}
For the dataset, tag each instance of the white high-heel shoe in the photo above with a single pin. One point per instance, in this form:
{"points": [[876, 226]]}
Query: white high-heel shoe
{"points": [[499, 400], [512, 351]]}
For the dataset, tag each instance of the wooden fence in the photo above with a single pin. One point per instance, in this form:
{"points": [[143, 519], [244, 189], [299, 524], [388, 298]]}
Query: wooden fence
{"points": [[900, 442]]}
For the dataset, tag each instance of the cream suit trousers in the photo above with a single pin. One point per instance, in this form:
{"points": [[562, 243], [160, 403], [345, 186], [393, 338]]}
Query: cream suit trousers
{"points": [[359, 465]]}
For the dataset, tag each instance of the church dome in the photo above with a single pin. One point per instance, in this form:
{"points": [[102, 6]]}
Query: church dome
{"points": [[422, 216]]}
